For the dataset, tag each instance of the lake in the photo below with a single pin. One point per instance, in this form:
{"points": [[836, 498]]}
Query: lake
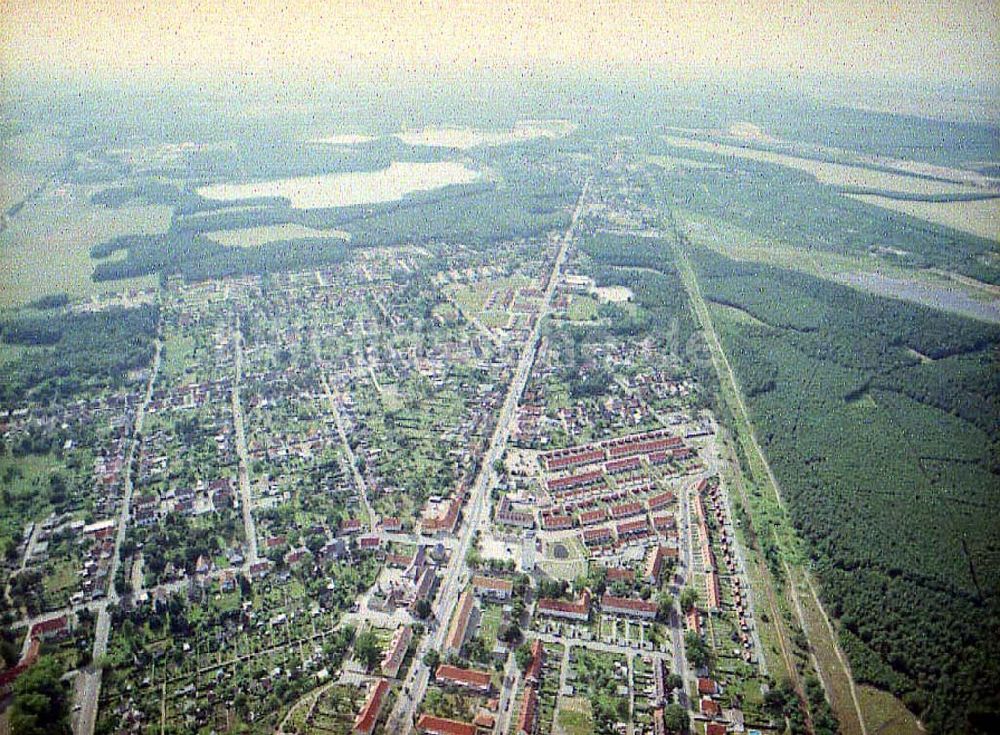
{"points": [[348, 189]]}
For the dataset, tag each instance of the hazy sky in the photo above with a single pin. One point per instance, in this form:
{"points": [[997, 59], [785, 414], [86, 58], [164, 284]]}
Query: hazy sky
{"points": [[938, 40]]}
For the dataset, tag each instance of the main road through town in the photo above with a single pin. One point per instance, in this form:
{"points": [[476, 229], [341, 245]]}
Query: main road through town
{"points": [[456, 574], [87, 689]]}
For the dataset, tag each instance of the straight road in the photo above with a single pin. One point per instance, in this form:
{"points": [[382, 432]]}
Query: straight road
{"points": [[511, 679], [88, 687], [359, 479], [742, 416], [246, 496], [476, 510]]}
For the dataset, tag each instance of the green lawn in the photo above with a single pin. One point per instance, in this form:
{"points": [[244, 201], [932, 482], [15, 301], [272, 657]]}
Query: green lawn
{"points": [[581, 308], [490, 625]]}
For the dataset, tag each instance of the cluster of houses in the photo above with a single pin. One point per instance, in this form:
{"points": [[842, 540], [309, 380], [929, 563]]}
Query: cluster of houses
{"points": [[457, 442], [64, 536], [467, 681], [217, 494], [95, 542], [624, 405], [605, 489], [527, 718], [713, 569], [718, 720]]}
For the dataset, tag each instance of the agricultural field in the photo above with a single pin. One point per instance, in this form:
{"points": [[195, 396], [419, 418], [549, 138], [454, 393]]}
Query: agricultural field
{"points": [[48, 245]]}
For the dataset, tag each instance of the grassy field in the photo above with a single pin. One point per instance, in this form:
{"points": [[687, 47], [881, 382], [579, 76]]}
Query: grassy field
{"points": [[25, 162], [740, 244], [835, 676], [489, 625], [727, 312], [573, 717], [15, 186], [46, 247], [885, 715], [932, 286], [573, 566], [673, 163], [25, 482], [581, 309], [178, 353], [473, 299]]}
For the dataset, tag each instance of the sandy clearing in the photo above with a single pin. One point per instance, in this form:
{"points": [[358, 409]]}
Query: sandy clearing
{"points": [[465, 138], [748, 132], [613, 294], [980, 217], [836, 174], [253, 236], [343, 139]]}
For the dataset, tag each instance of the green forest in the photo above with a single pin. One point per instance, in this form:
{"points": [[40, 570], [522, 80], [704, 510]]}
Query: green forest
{"points": [[881, 422], [60, 354]]}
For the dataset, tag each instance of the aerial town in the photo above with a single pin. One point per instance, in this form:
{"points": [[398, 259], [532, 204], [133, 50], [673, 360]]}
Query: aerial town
{"points": [[380, 497], [512, 400]]}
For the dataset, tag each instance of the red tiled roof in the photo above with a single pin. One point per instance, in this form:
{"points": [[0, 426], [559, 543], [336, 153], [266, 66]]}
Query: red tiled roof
{"points": [[632, 526], [713, 590], [554, 522], [526, 720], [534, 672], [484, 720], [593, 516], [492, 583], [52, 625], [626, 509], [562, 458], [610, 602], [591, 535], [459, 624], [463, 677], [365, 721], [615, 574], [706, 686], [442, 726], [623, 465], [549, 605], [664, 522], [565, 483], [658, 501]]}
